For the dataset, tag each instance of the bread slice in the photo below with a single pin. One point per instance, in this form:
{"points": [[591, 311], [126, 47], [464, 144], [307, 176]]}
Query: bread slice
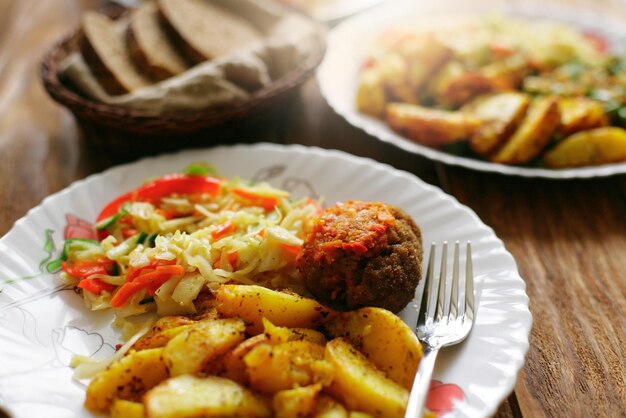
{"points": [[203, 30], [104, 49], [149, 47]]}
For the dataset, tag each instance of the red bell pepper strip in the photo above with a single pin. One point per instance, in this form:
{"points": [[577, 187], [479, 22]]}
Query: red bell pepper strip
{"points": [[128, 232], [223, 229], [134, 272], [266, 202], [96, 286], [291, 249], [124, 293], [233, 258], [85, 268], [154, 191], [150, 280]]}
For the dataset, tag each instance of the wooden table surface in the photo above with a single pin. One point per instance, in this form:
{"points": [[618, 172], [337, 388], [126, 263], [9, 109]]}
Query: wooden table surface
{"points": [[568, 237]]}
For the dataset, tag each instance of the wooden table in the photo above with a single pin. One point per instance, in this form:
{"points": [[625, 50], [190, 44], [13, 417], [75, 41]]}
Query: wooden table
{"points": [[568, 237]]}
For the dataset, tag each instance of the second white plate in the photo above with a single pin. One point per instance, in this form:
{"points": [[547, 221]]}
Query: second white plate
{"points": [[348, 45]]}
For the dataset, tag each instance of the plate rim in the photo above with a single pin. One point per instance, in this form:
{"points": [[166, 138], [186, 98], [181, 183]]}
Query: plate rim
{"points": [[523, 313], [376, 128]]}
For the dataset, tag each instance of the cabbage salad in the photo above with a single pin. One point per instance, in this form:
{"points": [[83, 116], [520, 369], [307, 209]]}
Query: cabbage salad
{"points": [[165, 242]]}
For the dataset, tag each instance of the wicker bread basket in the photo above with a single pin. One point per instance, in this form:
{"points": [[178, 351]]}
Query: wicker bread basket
{"points": [[131, 132]]}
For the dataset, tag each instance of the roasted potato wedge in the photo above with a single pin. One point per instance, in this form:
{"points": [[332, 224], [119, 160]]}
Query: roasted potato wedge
{"points": [[212, 396], [126, 379], [155, 339], [533, 135], [277, 334], [127, 409], [371, 98], [595, 146], [580, 114], [501, 113], [272, 368], [400, 74], [361, 386], [464, 87], [232, 365], [456, 85], [393, 69], [253, 303], [424, 55], [385, 340], [430, 127], [189, 351], [327, 407], [297, 402]]}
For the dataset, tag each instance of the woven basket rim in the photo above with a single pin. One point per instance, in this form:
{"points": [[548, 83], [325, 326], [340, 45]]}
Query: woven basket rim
{"points": [[186, 120]]}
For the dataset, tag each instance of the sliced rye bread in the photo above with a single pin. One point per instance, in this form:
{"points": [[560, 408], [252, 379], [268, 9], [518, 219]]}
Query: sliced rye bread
{"points": [[104, 49], [203, 30], [149, 46]]}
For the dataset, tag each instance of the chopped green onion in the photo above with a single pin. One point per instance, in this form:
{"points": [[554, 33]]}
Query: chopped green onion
{"points": [[150, 239], [146, 301], [200, 169], [108, 222], [77, 244], [126, 246]]}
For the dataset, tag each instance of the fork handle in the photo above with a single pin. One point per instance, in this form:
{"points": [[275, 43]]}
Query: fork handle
{"points": [[419, 391]]}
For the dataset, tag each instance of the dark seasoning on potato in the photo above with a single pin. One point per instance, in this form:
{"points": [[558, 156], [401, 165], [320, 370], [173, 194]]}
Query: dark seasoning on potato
{"points": [[232, 361]]}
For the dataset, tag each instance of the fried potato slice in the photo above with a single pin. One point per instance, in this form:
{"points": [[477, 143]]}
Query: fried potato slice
{"points": [[430, 127], [399, 74], [212, 396], [327, 407], [253, 303], [297, 402], [127, 379], [424, 55], [362, 387], [501, 113], [232, 365], [385, 340], [580, 114], [371, 98], [457, 86], [394, 69], [533, 135], [189, 351], [127, 409], [276, 335], [593, 147], [155, 339], [272, 368]]}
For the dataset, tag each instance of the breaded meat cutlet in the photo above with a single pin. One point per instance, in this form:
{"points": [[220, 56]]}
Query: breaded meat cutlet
{"points": [[363, 254]]}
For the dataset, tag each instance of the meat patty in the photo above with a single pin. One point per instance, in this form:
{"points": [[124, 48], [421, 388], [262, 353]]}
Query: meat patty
{"points": [[362, 254]]}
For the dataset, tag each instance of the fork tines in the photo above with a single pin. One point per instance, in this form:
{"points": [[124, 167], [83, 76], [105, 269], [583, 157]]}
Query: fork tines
{"points": [[433, 307]]}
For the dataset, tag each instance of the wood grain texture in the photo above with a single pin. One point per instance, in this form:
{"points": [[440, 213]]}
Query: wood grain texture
{"points": [[568, 237]]}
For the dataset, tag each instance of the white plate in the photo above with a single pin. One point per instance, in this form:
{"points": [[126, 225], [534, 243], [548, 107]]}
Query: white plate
{"points": [[42, 324], [349, 42]]}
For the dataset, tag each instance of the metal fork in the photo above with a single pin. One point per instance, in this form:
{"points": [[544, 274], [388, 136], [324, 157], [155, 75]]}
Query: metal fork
{"points": [[440, 325]]}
